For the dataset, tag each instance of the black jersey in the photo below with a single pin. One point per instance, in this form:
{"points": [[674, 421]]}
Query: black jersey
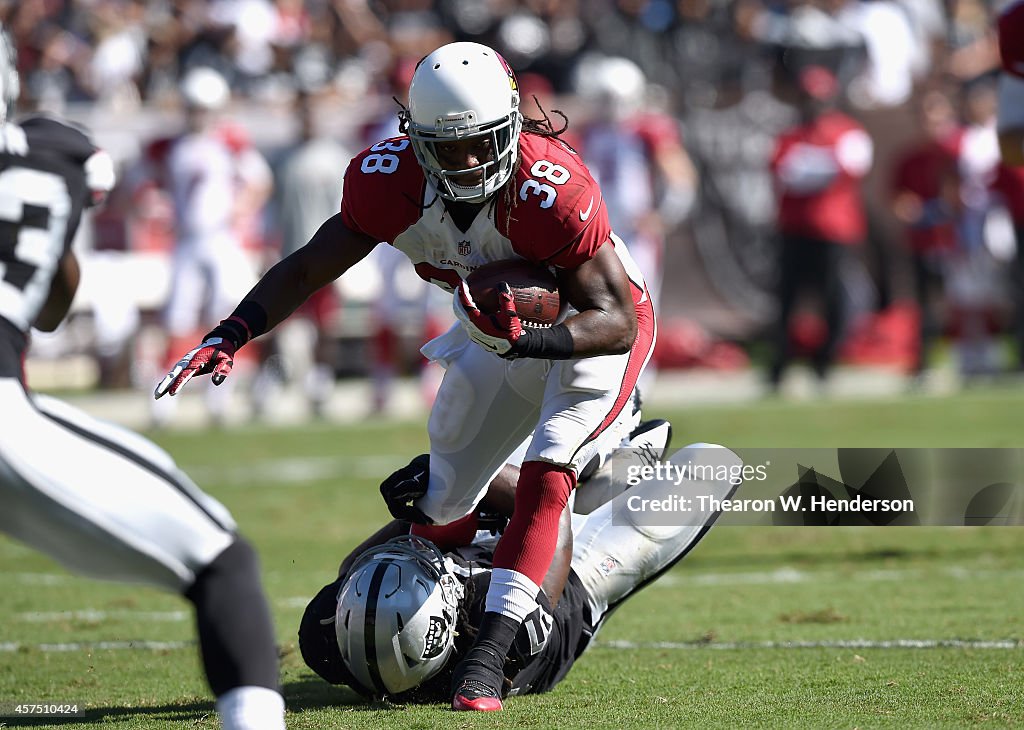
{"points": [[547, 645], [42, 193]]}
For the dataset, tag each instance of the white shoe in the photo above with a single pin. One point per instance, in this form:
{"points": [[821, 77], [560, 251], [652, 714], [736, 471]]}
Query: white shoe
{"points": [[647, 443]]}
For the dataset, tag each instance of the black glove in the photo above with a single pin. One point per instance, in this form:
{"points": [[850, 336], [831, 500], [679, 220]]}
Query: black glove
{"points": [[404, 487]]}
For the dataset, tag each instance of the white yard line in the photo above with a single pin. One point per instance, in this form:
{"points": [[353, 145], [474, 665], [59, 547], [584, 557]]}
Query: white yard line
{"points": [[293, 470], [833, 644], [793, 575], [785, 575], [979, 644], [93, 615], [87, 646], [97, 615]]}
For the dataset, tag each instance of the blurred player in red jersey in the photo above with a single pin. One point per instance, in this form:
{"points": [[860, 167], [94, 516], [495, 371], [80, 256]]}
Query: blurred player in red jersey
{"points": [[473, 182], [1010, 26], [925, 199], [1010, 182], [817, 167]]}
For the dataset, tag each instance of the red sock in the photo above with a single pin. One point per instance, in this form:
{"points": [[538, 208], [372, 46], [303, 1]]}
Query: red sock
{"points": [[528, 544], [450, 536]]}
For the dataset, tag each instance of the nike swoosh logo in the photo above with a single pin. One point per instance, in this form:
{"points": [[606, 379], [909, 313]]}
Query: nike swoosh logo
{"points": [[586, 214]]}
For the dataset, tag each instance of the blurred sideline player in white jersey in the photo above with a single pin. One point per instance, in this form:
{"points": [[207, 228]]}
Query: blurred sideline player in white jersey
{"points": [[469, 183], [218, 183], [101, 500], [1010, 27], [405, 643], [636, 154], [389, 310], [307, 188]]}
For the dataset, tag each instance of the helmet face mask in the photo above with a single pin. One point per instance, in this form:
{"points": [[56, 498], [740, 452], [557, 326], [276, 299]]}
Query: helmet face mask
{"points": [[396, 615], [458, 92]]}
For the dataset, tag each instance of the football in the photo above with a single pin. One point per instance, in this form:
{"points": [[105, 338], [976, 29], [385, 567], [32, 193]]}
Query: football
{"points": [[534, 290]]}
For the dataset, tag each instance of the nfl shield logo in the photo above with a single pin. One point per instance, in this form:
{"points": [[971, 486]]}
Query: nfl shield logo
{"points": [[464, 248]]}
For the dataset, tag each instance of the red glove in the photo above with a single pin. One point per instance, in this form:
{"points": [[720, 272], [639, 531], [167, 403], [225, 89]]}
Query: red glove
{"points": [[215, 354], [496, 332]]}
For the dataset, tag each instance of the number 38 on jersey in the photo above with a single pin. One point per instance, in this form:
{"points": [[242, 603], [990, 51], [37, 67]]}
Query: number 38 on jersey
{"points": [[380, 158], [545, 170]]}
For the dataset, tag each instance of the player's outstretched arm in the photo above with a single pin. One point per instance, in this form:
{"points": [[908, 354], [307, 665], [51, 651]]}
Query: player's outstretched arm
{"points": [[332, 251]]}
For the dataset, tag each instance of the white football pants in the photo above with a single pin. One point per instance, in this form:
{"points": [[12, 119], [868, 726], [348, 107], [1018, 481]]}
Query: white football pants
{"points": [[100, 499], [487, 406], [615, 553]]}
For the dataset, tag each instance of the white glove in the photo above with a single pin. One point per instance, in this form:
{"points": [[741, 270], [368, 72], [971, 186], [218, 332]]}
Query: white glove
{"points": [[494, 332]]}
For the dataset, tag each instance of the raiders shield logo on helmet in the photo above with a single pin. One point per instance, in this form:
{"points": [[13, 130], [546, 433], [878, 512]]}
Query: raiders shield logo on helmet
{"points": [[434, 641]]}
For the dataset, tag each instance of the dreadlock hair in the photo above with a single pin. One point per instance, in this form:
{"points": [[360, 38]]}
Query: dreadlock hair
{"points": [[542, 127]]}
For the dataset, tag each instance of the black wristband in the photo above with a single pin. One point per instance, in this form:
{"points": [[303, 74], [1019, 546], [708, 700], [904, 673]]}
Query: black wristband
{"points": [[253, 315], [249, 320], [230, 330], [546, 343]]}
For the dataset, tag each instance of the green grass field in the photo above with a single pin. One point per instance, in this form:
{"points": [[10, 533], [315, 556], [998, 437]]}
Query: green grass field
{"points": [[710, 645]]}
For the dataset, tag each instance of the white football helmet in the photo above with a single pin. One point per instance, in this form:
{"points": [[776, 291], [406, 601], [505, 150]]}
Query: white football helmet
{"points": [[614, 85], [10, 87], [464, 90], [396, 615]]}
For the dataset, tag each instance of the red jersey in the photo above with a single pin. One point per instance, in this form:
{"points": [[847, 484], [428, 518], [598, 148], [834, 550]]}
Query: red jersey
{"points": [[557, 216], [924, 171], [817, 168]]}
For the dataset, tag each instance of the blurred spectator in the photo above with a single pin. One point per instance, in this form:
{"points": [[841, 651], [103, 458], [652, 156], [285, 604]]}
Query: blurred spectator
{"points": [[974, 280], [308, 180], [894, 53], [634, 29], [979, 155], [117, 60], [973, 49], [544, 37], [925, 199], [817, 167], [1009, 186], [219, 184]]}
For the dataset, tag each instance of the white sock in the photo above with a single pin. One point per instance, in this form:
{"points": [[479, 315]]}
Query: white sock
{"points": [[511, 594], [251, 708]]}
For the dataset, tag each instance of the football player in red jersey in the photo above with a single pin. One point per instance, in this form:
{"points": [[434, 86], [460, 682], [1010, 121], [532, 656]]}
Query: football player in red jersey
{"points": [[1010, 27], [472, 182]]}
